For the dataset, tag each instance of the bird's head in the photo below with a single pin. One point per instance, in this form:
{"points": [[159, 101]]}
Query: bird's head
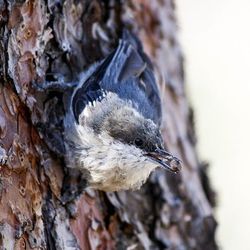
{"points": [[127, 126], [124, 125], [122, 146]]}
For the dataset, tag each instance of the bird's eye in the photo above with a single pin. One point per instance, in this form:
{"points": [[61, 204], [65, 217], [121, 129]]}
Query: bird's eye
{"points": [[138, 142]]}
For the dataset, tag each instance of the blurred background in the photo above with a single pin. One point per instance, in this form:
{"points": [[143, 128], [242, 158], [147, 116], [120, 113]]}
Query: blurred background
{"points": [[215, 37]]}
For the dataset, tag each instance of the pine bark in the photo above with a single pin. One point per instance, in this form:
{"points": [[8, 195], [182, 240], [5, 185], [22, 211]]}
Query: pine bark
{"points": [[42, 41]]}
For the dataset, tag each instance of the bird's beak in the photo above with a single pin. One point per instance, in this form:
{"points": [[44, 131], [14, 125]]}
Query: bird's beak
{"points": [[165, 160]]}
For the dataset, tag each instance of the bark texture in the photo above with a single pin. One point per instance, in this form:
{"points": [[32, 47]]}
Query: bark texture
{"points": [[48, 41]]}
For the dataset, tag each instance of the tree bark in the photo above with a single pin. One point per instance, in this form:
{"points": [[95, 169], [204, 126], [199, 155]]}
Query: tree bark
{"points": [[42, 41]]}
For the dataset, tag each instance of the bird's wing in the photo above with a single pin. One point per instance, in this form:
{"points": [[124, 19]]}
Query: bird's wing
{"points": [[127, 72], [90, 90], [130, 75]]}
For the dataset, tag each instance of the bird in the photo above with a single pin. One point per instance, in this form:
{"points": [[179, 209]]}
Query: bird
{"points": [[113, 128]]}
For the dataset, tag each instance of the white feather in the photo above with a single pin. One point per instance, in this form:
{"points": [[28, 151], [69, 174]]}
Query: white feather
{"points": [[111, 164]]}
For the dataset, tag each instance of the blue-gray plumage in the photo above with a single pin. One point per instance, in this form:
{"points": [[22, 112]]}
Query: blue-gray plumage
{"points": [[116, 140], [128, 73]]}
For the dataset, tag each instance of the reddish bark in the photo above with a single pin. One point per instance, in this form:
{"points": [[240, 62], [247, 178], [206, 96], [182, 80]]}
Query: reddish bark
{"points": [[41, 40]]}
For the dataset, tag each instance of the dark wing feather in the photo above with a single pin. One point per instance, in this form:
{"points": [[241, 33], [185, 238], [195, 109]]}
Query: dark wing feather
{"points": [[90, 90], [130, 75], [127, 72]]}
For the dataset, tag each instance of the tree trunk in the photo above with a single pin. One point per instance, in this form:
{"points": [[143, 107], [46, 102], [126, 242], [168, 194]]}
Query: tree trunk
{"points": [[42, 41]]}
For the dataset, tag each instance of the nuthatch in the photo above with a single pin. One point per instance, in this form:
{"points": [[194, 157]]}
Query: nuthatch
{"points": [[115, 140]]}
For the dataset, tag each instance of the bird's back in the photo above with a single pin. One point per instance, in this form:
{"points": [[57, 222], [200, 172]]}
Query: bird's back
{"points": [[126, 72]]}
